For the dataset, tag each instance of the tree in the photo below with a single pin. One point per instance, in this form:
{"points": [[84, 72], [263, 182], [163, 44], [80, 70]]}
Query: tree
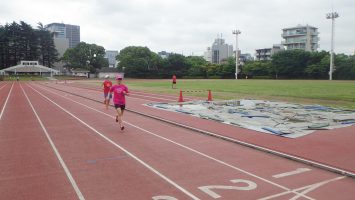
{"points": [[228, 68], [22, 42], [344, 67], [258, 68], [197, 66], [138, 62], [319, 66], [178, 65], [86, 56], [291, 63], [47, 51]]}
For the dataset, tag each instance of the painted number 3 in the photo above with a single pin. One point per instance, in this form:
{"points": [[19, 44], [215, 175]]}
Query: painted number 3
{"points": [[209, 189]]}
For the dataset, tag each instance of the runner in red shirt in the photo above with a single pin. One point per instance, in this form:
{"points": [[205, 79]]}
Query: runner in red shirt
{"points": [[106, 85], [174, 82], [119, 92]]}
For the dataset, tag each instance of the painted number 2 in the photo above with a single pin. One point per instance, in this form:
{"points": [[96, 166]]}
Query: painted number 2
{"points": [[208, 189], [246, 185]]}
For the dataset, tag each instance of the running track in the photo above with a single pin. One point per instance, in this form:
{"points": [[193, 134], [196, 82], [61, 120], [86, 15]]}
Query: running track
{"points": [[54, 145]]}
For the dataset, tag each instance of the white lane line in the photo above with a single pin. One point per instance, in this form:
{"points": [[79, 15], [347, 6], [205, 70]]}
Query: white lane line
{"points": [[297, 171], [188, 148], [306, 189], [8, 96], [59, 157], [3, 86], [135, 94], [123, 149]]}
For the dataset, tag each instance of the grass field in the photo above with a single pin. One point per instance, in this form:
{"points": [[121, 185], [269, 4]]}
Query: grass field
{"points": [[26, 78], [331, 93]]}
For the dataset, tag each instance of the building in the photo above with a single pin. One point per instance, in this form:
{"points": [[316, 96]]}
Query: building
{"points": [[263, 54], [220, 51], [208, 54], [301, 37], [71, 32], [266, 53], [111, 57], [245, 57], [29, 68], [164, 54], [80, 72], [111, 72]]}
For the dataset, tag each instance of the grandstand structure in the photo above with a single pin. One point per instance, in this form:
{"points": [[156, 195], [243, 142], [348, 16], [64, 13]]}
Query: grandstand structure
{"points": [[29, 68]]}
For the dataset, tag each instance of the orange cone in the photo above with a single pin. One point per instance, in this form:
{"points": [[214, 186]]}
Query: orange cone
{"points": [[181, 99], [209, 98]]}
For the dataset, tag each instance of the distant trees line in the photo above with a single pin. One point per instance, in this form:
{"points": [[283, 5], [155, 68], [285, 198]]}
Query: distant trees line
{"points": [[140, 62], [19, 41], [299, 64]]}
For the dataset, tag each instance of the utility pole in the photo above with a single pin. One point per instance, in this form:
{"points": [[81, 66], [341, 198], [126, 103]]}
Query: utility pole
{"points": [[236, 32], [332, 16]]}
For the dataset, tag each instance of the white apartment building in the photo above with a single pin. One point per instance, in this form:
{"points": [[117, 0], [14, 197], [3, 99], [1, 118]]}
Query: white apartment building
{"points": [[301, 37]]}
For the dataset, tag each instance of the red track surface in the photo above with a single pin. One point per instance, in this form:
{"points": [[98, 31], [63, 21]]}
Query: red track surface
{"points": [[148, 159], [331, 147]]}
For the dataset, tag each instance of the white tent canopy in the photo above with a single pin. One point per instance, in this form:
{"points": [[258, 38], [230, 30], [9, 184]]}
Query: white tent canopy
{"points": [[29, 67]]}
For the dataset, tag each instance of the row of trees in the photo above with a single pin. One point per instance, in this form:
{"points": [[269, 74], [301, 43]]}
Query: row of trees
{"points": [[299, 64], [140, 62], [19, 41]]}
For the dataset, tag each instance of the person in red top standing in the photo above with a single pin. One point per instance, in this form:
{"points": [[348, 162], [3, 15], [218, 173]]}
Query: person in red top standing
{"points": [[119, 92], [174, 82], [106, 85]]}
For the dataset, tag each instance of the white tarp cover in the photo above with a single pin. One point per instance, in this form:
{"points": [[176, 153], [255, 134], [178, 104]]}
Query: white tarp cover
{"points": [[279, 118]]}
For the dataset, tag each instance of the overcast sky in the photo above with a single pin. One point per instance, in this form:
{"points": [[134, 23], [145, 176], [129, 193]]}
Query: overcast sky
{"points": [[188, 26]]}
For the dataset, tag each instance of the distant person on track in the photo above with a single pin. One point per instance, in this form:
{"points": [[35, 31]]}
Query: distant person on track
{"points": [[119, 92], [174, 82], [106, 86]]}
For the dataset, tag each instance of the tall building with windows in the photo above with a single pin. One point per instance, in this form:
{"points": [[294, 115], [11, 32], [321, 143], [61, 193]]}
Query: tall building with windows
{"points": [[207, 55], [219, 51], [301, 37], [111, 57], [71, 32], [266, 53]]}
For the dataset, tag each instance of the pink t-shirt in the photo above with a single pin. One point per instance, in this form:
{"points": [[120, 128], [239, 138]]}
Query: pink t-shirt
{"points": [[118, 96]]}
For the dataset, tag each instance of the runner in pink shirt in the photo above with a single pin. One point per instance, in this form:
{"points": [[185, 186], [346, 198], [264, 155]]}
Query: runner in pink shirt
{"points": [[119, 92]]}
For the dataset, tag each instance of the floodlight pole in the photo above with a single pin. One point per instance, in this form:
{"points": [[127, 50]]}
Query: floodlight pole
{"points": [[332, 16], [236, 32]]}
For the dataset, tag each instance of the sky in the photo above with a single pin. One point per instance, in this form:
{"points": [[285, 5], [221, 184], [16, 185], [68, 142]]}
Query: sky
{"points": [[188, 26]]}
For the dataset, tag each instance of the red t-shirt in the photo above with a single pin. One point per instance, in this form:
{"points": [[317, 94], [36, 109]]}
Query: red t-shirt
{"points": [[118, 95], [174, 79], [107, 85]]}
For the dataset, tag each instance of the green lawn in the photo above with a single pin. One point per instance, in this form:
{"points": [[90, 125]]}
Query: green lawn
{"points": [[26, 78], [332, 93]]}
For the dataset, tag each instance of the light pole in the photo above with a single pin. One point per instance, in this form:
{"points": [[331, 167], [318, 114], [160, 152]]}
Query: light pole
{"points": [[236, 32], [332, 16]]}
